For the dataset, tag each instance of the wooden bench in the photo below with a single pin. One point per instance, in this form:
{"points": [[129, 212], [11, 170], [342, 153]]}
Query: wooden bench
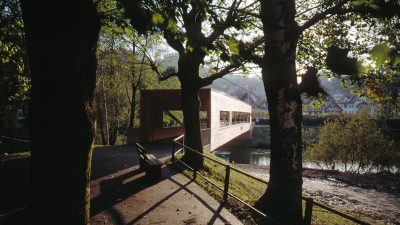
{"points": [[149, 163]]}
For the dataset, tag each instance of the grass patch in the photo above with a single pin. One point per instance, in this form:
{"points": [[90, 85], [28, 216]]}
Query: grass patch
{"points": [[250, 190], [322, 216], [247, 189]]}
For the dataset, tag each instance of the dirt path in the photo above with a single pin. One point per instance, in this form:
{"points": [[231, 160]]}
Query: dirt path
{"points": [[380, 206]]}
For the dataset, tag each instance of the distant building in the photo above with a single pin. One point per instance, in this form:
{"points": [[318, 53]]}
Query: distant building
{"points": [[352, 104], [339, 103], [329, 107]]}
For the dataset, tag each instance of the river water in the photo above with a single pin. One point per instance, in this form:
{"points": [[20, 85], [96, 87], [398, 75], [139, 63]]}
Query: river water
{"points": [[252, 156], [262, 157], [245, 155]]}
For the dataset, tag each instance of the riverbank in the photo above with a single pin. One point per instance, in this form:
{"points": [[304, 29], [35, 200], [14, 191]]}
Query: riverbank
{"points": [[376, 196]]}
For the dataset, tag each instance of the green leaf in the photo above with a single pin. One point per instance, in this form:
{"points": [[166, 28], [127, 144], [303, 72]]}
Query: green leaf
{"points": [[396, 60], [128, 31], [172, 26], [380, 53], [359, 2], [233, 46], [205, 50], [189, 48], [375, 6], [157, 18]]}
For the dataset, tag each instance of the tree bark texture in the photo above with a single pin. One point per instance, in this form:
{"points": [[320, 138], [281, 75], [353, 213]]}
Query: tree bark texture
{"points": [[133, 106], [105, 124], [61, 41], [188, 75], [100, 125], [282, 200], [113, 133], [134, 90]]}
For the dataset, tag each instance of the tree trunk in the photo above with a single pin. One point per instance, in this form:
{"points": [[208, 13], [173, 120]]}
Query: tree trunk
{"points": [[61, 41], [100, 117], [188, 75], [103, 133], [133, 106], [191, 119], [282, 200], [113, 135], [105, 127], [134, 89]]}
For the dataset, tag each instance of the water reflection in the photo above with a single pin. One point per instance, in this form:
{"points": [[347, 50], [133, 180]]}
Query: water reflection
{"points": [[252, 156], [260, 158], [223, 155]]}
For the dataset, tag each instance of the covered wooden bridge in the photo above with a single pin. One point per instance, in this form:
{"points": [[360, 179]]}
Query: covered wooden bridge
{"points": [[223, 117]]}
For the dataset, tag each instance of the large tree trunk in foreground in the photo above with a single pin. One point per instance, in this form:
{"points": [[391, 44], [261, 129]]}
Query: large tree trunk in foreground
{"points": [[62, 41], [188, 76], [282, 200], [191, 119]]}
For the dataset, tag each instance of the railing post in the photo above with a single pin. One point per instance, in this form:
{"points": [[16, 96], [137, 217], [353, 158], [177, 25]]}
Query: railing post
{"points": [[183, 145], [226, 185], [194, 173], [308, 211]]}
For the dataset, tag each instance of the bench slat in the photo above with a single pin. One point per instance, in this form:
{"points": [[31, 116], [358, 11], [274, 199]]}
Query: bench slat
{"points": [[152, 159], [149, 162]]}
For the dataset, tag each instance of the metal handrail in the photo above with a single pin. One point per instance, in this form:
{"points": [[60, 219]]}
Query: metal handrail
{"points": [[227, 175], [355, 220], [189, 148], [309, 201]]}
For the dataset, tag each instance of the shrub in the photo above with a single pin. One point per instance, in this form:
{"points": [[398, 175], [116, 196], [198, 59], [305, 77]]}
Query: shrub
{"points": [[356, 142]]}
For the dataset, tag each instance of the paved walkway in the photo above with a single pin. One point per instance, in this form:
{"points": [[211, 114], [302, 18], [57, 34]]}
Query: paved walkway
{"points": [[122, 195]]}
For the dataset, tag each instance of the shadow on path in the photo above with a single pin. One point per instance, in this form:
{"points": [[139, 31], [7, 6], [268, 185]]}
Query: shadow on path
{"points": [[216, 213], [157, 204], [115, 191], [108, 160]]}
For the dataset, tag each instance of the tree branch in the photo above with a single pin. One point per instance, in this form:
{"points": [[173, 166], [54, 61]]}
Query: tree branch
{"points": [[385, 9], [139, 80], [208, 80], [323, 15], [166, 77], [246, 50], [220, 27], [308, 10], [174, 42], [242, 10]]}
